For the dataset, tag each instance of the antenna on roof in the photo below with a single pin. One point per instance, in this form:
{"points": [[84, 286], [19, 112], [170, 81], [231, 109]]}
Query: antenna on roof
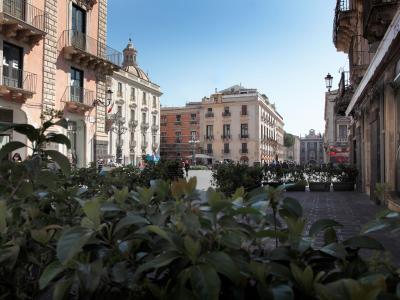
{"points": [[216, 90]]}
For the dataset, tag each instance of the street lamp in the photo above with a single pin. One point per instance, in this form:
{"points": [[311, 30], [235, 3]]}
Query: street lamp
{"points": [[193, 142], [119, 129], [328, 82]]}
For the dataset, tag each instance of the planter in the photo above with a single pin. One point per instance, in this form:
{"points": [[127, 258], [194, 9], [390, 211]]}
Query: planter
{"points": [[343, 186], [320, 186], [296, 187]]}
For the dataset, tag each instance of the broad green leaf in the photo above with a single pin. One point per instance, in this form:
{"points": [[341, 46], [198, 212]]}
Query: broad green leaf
{"points": [[26, 129], [364, 242], [121, 195], [71, 242], [224, 264], [58, 138], [130, 219], [160, 261], [205, 282], [41, 236], [61, 160], [321, 225], [335, 250], [9, 256], [50, 272], [232, 240], [283, 292], [3, 217], [375, 225], [61, 288], [160, 232], [90, 274], [293, 207], [93, 212], [192, 248], [63, 123], [10, 147]]}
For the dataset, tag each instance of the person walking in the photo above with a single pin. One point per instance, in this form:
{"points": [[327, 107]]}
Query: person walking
{"points": [[17, 157], [187, 167]]}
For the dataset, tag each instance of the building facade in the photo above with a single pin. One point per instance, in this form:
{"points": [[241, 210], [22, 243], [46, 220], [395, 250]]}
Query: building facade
{"points": [[180, 132], [336, 144], [55, 57], [292, 153], [312, 148], [241, 125], [134, 114], [368, 31]]}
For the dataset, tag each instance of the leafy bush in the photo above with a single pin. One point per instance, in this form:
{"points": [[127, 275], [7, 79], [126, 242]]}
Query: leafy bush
{"points": [[227, 177]]}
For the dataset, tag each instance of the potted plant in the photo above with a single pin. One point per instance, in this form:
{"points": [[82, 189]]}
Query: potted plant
{"points": [[319, 178], [295, 180], [273, 175], [344, 178]]}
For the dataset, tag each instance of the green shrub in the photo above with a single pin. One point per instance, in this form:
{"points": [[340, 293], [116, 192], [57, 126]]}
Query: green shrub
{"points": [[227, 177]]}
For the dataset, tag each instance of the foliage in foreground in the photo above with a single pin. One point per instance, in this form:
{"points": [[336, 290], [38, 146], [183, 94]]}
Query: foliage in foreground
{"points": [[63, 240]]}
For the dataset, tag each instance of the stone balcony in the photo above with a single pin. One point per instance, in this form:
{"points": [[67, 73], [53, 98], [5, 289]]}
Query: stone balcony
{"points": [[17, 85], [22, 21], [344, 24], [132, 146], [144, 126], [89, 53], [360, 57], [133, 124], [378, 14], [78, 99], [155, 128]]}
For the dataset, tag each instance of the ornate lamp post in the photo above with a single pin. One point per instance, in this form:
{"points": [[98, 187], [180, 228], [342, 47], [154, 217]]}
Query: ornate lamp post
{"points": [[328, 82], [119, 129], [193, 142]]}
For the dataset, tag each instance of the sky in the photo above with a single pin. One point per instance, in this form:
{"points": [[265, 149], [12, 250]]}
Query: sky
{"points": [[191, 47]]}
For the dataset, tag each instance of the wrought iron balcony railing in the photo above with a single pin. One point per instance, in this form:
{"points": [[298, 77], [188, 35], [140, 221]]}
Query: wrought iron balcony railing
{"points": [[209, 137], [344, 9], [226, 114], [244, 151], [155, 128], [209, 115], [85, 44], [225, 151], [22, 20], [226, 136], [16, 79], [79, 96], [360, 55], [243, 136]]}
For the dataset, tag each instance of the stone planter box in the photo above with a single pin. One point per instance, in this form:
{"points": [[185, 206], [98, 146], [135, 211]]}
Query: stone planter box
{"points": [[273, 184], [296, 187], [343, 186], [320, 186]]}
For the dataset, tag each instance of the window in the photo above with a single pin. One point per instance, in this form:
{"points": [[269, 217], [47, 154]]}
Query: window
{"points": [[76, 85], [193, 117], [342, 132], [226, 109], [209, 131], [244, 148], [163, 119], [144, 118], [209, 149], [78, 19], [119, 91], [226, 112], [244, 110], [133, 92], [178, 118], [154, 140], [132, 114], [226, 148], [226, 130], [12, 65], [244, 130], [144, 101], [154, 120], [193, 135], [178, 136], [154, 102], [209, 109]]}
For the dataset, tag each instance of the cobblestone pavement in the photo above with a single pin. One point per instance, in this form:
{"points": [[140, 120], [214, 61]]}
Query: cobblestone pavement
{"points": [[351, 209]]}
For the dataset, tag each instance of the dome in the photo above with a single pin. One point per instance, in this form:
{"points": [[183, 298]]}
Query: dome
{"points": [[138, 72], [130, 65]]}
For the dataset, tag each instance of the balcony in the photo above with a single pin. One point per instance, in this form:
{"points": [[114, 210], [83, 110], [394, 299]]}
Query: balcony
{"points": [[193, 122], [378, 14], [359, 58], [17, 85], [22, 21], [155, 128], [209, 115], [178, 123], [342, 140], [225, 151], [209, 137], [89, 52], [178, 140], [132, 146], [133, 124], [244, 151], [144, 126], [209, 151], [243, 136], [226, 137], [226, 114], [344, 24], [78, 99], [344, 95]]}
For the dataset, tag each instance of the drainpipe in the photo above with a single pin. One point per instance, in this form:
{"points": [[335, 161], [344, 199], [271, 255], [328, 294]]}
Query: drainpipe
{"points": [[382, 133]]}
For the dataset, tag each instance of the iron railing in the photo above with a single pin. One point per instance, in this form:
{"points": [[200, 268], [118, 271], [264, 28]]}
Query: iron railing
{"points": [[244, 151], [83, 42], [226, 136], [19, 79], [344, 82], [209, 137], [209, 115], [225, 151], [80, 95], [25, 12], [226, 114], [370, 5], [342, 6], [243, 136]]}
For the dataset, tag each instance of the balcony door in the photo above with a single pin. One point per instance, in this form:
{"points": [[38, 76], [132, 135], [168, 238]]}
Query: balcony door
{"points": [[15, 8], [78, 27], [12, 65], [76, 85]]}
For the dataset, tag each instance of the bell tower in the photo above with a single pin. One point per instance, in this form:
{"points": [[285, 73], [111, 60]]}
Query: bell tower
{"points": [[129, 55]]}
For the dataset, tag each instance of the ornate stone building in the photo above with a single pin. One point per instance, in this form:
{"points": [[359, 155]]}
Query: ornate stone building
{"points": [[312, 148], [241, 125], [135, 112], [55, 57], [368, 31]]}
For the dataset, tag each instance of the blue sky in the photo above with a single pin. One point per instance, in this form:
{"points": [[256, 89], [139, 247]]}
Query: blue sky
{"points": [[190, 47]]}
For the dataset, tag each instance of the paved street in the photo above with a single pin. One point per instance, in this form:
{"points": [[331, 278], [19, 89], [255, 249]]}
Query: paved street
{"points": [[349, 208]]}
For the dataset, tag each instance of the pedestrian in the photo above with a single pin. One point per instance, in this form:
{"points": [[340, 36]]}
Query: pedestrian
{"points": [[187, 167], [17, 157]]}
